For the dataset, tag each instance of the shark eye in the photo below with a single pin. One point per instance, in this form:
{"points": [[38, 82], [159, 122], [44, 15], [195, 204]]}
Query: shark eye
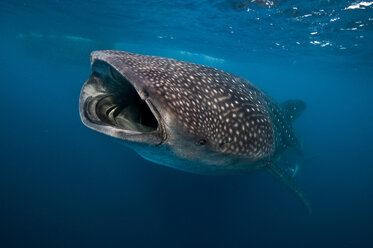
{"points": [[145, 92], [202, 142]]}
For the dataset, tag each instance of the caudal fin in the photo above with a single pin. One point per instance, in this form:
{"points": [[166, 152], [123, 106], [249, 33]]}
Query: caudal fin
{"points": [[289, 181]]}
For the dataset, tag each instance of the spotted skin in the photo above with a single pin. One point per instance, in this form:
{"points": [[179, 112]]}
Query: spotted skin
{"points": [[228, 112], [239, 127]]}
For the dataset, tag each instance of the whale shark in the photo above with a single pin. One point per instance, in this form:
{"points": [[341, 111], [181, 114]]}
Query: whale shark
{"points": [[189, 116]]}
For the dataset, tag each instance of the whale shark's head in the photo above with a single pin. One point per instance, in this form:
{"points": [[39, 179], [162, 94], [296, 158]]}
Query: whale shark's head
{"points": [[173, 112]]}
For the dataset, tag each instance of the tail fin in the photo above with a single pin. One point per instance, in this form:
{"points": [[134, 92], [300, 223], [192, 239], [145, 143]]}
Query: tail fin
{"points": [[289, 181], [292, 109]]}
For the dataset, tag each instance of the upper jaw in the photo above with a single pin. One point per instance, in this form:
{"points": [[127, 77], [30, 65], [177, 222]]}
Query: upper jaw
{"points": [[113, 101]]}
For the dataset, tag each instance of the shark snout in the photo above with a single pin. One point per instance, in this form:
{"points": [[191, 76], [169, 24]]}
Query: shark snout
{"points": [[112, 104]]}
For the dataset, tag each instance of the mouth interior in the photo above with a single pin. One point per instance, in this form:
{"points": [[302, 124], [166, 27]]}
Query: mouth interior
{"points": [[120, 105]]}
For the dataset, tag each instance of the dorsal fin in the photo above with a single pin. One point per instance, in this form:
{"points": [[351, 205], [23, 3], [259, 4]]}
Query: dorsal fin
{"points": [[292, 109]]}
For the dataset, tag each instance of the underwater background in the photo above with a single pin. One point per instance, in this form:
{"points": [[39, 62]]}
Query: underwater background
{"points": [[64, 185]]}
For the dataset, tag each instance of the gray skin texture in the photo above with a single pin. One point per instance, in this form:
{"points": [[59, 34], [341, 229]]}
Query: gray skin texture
{"points": [[209, 121]]}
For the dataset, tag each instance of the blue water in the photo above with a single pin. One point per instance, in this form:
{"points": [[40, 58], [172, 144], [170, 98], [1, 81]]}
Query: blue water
{"points": [[63, 185]]}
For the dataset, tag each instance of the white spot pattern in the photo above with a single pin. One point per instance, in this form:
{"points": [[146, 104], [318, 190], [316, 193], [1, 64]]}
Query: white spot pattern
{"points": [[227, 111]]}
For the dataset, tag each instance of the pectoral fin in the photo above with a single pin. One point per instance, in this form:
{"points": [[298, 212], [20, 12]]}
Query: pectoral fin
{"points": [[288, 181], [292, 109]]}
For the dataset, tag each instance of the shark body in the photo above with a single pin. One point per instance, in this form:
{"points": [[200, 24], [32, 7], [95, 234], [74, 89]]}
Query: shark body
{"points": [[189, 116]]}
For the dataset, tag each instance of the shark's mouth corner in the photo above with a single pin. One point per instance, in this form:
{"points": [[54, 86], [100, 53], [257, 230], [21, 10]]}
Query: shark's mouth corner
{"points": [[110, 103]]}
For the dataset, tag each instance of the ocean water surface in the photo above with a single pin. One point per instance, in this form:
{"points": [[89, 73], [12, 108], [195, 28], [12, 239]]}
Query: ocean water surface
{"points": [[64, 185]]}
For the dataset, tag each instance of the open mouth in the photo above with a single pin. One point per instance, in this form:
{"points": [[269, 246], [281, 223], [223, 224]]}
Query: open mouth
{"points": [[111, 104], [129, 114]]}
